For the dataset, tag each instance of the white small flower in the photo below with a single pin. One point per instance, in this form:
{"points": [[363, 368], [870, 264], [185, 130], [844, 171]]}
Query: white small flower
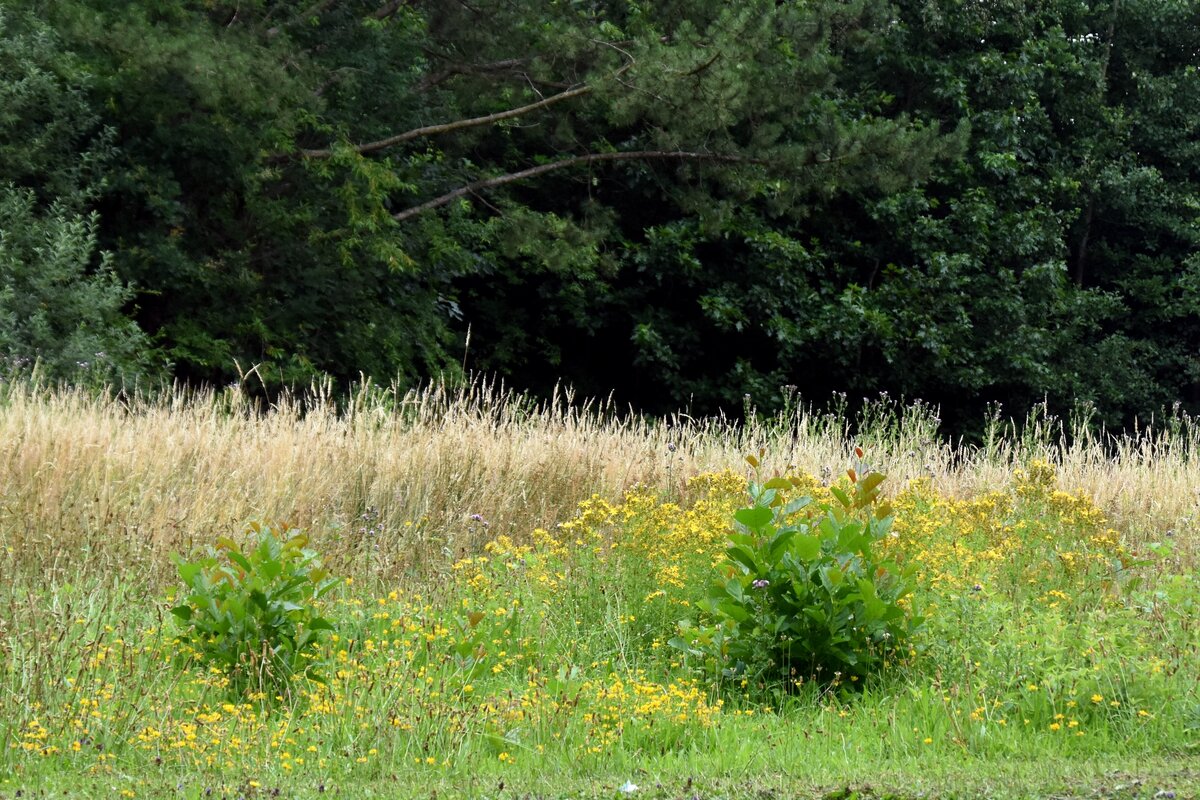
{"points": [[628, 787]]}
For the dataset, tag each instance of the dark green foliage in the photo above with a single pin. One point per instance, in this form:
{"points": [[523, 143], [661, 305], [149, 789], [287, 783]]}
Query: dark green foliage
{"points": [[994, 267], [961, 290], [680, 202], [58, 314], [805, 593], [244, 256], [49, 136], [253, 609], [61, 305]]}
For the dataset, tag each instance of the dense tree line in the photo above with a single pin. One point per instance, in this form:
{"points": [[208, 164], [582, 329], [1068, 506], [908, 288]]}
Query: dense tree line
{"points": [[681, 202]]}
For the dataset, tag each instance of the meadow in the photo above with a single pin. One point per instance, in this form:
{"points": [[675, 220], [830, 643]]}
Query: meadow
{"points": [[507, 581]]}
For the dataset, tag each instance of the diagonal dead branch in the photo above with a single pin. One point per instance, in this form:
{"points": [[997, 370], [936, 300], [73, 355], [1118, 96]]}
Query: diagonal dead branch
{"points": [[590, 158], [461, 124]]}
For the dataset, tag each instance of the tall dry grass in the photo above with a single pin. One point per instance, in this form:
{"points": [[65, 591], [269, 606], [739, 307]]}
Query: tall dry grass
{"points": [[388, 482]]}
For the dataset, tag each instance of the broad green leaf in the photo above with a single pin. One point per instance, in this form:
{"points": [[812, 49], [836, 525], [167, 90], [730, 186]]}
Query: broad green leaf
{"points": [[733, 588], [796, 505], [849, 536], [270, 568], [806, 547], [233, 608], [189, 572], [754, 518], [871, 481], [734, 611], [745, 539], [767, 498], [865, 499], [267, 550], [744, 556], [240, 560], [289, 587], [841, 496], [831, 577], [780, 543]]}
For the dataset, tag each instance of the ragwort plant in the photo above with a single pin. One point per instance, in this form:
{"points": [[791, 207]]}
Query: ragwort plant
{"points": [[252, 609], [805, 592]]}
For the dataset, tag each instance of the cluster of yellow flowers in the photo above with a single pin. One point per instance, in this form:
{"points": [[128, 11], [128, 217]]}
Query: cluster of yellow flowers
{"points": [[670, 544], [422, 678], [960, 544], [629, 709]]}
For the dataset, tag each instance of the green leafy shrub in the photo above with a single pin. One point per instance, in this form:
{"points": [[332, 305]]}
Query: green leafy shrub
{"points": [[252, 609], [806, 591]]}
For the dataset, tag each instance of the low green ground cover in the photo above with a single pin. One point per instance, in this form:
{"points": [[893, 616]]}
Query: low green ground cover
{"points": [[1046, 658]]}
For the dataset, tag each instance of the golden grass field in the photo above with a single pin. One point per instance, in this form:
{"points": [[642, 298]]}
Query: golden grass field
{"points": [[87, 478]]}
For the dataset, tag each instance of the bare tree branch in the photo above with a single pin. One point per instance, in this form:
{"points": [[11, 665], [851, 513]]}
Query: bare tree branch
{"points": [[702, 67], [447, 127], [563, 163]]}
